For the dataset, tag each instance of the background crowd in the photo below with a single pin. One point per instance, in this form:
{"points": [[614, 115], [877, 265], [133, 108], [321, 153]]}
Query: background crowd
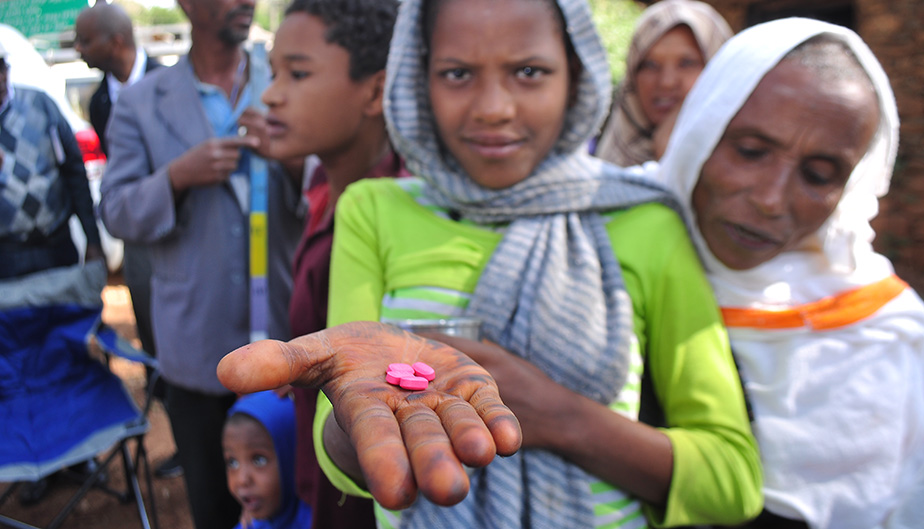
{"points": [[684, 320]]}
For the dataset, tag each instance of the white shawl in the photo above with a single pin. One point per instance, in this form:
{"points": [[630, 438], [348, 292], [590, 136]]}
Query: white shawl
{"points": [[839, 414]]}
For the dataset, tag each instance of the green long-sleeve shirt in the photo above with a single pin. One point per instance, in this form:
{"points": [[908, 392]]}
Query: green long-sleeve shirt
{"points": [[393, 254]]}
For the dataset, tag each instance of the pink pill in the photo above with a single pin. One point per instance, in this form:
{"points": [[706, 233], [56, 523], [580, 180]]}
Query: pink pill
{"points": [[423, 370], [394, 377], [404, 368], [414, 383]]}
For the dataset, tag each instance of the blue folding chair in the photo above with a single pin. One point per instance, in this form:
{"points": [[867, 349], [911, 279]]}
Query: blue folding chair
{"points": [[59, 405]]}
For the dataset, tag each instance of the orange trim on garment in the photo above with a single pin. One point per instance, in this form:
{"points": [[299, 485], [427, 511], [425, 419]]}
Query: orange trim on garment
{"points": [[828, 313]]}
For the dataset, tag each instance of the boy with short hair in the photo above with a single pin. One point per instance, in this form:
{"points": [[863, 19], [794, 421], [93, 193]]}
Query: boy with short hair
{"points": [[328, 62]]}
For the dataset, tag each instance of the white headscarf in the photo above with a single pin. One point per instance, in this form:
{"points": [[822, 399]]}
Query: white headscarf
{"points": [[838, 413], [847, 259]]}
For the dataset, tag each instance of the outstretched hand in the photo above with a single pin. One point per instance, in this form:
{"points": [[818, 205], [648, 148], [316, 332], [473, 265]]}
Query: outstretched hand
{"points": [[404, 441]]}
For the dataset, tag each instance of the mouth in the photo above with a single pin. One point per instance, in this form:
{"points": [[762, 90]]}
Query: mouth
{"points": [[275, 128], [250, 503], [241, 16], [665, 104], [494, 146], [750, 238]]}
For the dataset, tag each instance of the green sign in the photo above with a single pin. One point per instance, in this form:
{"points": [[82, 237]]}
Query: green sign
{"points": [[34, 17]]}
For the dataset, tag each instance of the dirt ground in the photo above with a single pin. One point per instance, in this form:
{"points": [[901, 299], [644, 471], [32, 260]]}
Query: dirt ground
{"points": [[99, 510]]}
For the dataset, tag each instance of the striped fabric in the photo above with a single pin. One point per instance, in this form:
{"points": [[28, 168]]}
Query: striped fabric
{"points": [[611, 508], [553, 290]]}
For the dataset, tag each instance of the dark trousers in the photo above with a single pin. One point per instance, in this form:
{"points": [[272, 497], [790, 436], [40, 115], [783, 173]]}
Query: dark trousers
{"points": [[768, 520], [197, 420], [37, 253], [136, 271]]}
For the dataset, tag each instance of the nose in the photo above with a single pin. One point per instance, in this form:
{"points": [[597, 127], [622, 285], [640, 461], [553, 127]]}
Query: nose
{"points": [[771, 191], [243, 477], [494, 103], [271, 97], [669, 76]]}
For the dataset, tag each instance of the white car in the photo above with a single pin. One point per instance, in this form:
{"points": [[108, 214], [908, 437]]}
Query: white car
{"points": [[28, 68]]}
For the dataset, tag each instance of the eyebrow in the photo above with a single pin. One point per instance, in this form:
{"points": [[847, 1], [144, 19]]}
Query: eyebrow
{"points": [[751, 132], [296, 57], [515, 62]]}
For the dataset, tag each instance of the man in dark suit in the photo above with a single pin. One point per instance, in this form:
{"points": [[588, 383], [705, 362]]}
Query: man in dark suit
{"points": [[105, 39]]}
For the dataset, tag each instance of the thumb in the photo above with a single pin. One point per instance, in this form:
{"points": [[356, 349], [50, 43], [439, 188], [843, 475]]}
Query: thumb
{"points": [[270, 364]]}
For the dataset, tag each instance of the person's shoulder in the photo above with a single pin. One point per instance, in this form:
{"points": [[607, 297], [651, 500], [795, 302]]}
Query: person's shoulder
{"points": [[652, 217], [150, 81], [29, 93], [28, 96], [651, 232], [377, 189], [101, 89], [152, 64]]}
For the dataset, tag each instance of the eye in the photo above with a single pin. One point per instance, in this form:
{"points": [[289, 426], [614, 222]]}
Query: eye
{"points": [[260, 460], [750, 152], [691, 63], [455, 74], [298, 75], [648, 66], [531, 72], [821, 173], [232, 463]]}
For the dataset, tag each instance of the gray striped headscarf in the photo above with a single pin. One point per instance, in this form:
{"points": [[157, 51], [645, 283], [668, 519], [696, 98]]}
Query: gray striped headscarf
{"points": [[553, 291]]}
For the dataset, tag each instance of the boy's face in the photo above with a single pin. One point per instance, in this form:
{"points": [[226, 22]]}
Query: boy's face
{"points": [[313, 105], [252, 468]]}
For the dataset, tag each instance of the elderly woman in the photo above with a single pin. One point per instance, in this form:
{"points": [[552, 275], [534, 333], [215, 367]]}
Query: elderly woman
{"points": [[779, 155], [672, 41]]}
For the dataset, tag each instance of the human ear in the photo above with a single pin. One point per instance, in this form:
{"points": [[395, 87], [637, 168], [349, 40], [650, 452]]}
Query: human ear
{"points": [[375, 84]]}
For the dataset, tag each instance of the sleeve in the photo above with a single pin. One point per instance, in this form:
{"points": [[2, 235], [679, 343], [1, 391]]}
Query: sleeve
{"points": [[356, 290], [137, 202], [717, 475], [74, 173], [357, 282]]}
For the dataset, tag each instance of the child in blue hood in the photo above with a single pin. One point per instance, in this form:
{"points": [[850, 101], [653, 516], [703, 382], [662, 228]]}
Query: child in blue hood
{"points": [[259, 447]]}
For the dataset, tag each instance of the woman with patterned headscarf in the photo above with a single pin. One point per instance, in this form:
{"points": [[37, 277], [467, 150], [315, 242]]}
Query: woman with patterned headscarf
{"points": [[672, 41]]}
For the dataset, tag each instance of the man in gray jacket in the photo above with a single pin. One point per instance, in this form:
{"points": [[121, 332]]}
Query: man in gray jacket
{"points": [[180, 143]]}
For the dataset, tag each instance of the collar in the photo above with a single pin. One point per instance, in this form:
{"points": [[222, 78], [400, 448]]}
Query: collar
{"points": [[832, 312], [138, 67]]}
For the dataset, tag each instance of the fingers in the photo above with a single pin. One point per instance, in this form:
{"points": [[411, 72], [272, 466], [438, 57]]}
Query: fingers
{"points": [[270, 364], [380, 450], [485, 400], [231, 145], [438, 473], [499, 420]]}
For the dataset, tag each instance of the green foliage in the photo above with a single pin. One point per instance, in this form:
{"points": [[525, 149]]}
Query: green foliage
{"points": [[160, 15], [616, 19]]}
